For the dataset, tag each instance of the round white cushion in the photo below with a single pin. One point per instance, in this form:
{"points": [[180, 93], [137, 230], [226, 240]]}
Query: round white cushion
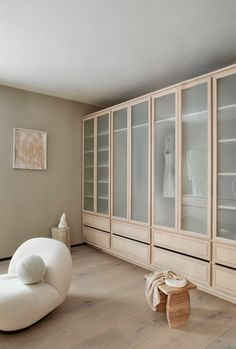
{"points": [[31, 269]]}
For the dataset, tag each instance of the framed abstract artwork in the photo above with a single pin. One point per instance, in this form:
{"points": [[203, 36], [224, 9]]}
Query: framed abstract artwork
{"points": [[29, 149]]}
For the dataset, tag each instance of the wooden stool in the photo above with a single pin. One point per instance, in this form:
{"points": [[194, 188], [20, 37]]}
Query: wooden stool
{"points": [[176, 303]]}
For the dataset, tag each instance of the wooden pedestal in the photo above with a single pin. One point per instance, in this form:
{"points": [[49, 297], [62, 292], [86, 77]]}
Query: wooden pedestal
{"points": [[62, 235], [176, 303], [161, 307]]}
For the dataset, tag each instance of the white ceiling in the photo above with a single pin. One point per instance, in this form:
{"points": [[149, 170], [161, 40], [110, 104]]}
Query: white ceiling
{"points": [[106, 51]]}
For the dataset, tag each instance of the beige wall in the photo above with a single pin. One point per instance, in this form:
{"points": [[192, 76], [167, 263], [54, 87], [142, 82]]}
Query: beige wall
{"points": [[31, 202]]}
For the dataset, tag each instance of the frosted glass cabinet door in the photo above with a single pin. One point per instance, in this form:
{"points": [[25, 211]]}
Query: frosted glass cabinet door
{"points": [[103, 164], [164, 155], [140, 161], [226, 157], [120, 134], [89, 165], [194, 207]]}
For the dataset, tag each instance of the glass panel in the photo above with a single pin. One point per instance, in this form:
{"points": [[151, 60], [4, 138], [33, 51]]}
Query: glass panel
{"points": [[226, 150], [226, 157], [120, 163], [164, 161], [227, 190], [139, 162], [102, 163], [195, 159], [88, 164], [226, 93], [226, 227], [164, 107], [226, 121]]}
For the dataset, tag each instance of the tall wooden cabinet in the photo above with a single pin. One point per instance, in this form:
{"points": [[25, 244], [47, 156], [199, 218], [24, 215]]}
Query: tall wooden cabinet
{"points": [[224, 193], [182, 173], [159, 180], [165, 160], [96, 179], [130, 182]]}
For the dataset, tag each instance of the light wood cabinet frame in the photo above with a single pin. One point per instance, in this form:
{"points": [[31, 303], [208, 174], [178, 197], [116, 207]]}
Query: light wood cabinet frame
{"points": [[224, 280], [139, 101], [83, 123], [96, 237], [96, 222], [154, 97], [109, 159], [223, 249], [95, 166], [198, 248], [112, 160], [131, 249], [224, 255], [130, 231], [95, 118], [194, 269], [216, 77], [209, 179], [128, 107]]}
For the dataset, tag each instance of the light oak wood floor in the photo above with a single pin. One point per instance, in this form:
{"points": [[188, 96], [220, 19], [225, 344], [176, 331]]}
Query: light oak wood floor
{"points": [[106, 309]]}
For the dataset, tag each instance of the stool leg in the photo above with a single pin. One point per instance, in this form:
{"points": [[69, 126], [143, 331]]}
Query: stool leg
{"points": [[178, 309], [161, 307]]}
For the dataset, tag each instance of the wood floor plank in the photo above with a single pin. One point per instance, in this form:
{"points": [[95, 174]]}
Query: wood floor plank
{"points": [[225, 341], [110, 339], [206, 323], [106, 308]]}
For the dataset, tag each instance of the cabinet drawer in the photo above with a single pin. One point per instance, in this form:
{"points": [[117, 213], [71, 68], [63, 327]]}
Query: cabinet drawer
{"points": [[131, 231], [225, 255], [96, 222], [193, 269], [224, 280], [183, 244], [131, 249], [96, 237]]}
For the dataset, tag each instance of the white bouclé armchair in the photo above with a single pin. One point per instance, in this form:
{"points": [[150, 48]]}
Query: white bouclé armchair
{"points": [[22, 305]]}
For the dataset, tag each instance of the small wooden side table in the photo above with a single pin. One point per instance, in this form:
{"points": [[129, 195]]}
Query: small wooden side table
{"points": [[176, 303], [62, 235]]}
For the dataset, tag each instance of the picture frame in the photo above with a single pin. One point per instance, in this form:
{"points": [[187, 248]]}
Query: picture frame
{"points": [[29, 149]]}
